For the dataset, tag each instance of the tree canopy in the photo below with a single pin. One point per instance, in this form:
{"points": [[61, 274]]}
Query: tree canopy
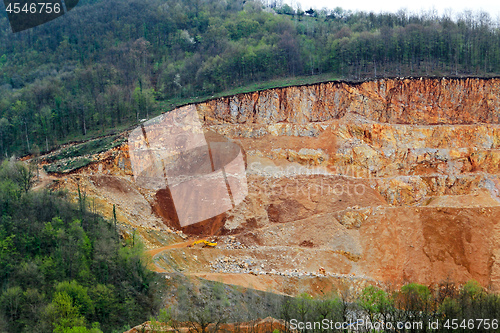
{"points": [[64, 269], [108, 64]]}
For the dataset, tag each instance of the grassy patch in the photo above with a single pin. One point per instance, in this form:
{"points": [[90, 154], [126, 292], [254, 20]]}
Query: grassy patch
{"points": [[67, 165], [279, 83], [88, 148], [170, 104], [79, 155]]}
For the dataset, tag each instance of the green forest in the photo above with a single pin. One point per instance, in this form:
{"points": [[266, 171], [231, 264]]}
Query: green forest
{"points": [[106, 65], [64, 269], [409, 309], [442, 307]]}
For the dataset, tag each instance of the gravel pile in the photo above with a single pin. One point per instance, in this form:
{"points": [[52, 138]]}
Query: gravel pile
{"points": [[232, 265], [231, 243], [229, 264]]}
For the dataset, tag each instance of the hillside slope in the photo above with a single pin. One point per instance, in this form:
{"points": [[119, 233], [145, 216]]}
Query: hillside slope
{"points": [[384, 181]]}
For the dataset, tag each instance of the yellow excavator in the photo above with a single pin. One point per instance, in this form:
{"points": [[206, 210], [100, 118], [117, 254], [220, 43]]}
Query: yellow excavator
{"points": [[204, 242]]}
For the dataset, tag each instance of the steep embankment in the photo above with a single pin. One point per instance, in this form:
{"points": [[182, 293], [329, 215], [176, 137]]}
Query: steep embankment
{"points": [[389, 180], [406, 101]]}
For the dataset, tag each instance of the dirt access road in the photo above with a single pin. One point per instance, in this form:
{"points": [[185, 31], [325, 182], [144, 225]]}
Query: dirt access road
{"points": [[290, 286]]}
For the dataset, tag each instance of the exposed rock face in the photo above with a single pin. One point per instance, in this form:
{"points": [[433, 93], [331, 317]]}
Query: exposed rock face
{"points": [[388, 180], [408, 101], [164, 206], [428, 143]]}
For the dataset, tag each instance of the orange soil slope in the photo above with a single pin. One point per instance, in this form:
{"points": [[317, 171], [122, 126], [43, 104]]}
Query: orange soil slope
{"points": [[385, 181]]}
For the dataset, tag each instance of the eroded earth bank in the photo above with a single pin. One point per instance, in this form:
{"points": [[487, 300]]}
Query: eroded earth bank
{"points": [[386, 181]]}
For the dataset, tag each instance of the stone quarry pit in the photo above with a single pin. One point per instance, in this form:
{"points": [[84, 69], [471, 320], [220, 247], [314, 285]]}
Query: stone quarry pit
{"points": [[380, 182]]}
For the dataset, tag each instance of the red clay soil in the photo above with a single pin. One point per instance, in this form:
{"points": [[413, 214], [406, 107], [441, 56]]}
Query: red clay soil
{"points": [[164, 206], [429, 245]]}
